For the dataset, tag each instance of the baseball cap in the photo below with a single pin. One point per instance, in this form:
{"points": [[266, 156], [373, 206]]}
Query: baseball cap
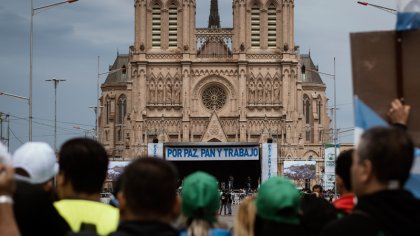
{"points": [[5, 157], [38, 159], [200, 196], [278, 200]]}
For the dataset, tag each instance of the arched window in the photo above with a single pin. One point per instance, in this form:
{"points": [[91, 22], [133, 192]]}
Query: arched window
{"points": [[108, 110], [308, 134], [319, 109], [271, 29], [122, 109], [307, 109], [156, 25], [255, 26], [123, 72], [173, 25]]}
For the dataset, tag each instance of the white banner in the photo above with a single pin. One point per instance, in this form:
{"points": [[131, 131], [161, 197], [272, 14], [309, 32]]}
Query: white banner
{"points": [[329, 167], [155, 150], [269, 161], [211, 153]]}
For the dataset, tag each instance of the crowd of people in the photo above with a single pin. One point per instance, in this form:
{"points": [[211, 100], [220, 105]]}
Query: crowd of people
{"points": [[370, 180]]}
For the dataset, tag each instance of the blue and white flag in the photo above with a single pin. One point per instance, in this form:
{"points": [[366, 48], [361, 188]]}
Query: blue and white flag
{"points": [[408, 16], [367, 118]]}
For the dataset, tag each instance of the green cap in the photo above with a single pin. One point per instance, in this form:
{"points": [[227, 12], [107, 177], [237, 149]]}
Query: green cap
{"points": [[278, 200], [200, 196]]}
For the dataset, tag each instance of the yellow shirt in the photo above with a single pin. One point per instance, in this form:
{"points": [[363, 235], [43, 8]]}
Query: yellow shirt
{"points": [[76, 212]]}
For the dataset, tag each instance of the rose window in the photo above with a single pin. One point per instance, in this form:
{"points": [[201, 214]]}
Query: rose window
{"points": [[214, 98]]}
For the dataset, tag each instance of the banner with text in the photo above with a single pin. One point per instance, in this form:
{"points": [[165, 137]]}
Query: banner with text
{"points": [[269, 161], [155, 150], [212, 153], [329, 168]]}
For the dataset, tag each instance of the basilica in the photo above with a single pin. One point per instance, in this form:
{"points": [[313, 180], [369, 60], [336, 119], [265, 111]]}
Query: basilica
{"points": [[246, 84]]}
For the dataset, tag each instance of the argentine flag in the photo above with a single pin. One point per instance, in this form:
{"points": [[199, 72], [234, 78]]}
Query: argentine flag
{"points": [[408, 16], [366, 118]]}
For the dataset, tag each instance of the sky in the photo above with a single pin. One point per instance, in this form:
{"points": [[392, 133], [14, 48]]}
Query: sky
{"points": [[69, 38]]}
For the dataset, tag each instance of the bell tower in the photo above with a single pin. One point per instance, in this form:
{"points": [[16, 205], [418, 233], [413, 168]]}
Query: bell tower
{"points": [[164, 25]]}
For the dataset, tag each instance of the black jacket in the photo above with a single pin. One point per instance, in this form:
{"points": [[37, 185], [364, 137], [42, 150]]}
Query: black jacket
{"points": [[146, 228], [389, 212]]}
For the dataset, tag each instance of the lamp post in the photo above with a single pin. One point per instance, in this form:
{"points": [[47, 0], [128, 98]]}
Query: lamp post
{"points": [[31, 32], [334, 113], [55, 82]]}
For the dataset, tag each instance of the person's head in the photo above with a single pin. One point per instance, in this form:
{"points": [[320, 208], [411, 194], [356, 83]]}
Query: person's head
{"points": [[277, 204], [342, 171], [278, 200], [35, 162], [317, 189], [83, 167], [148, 190], [316, 212], [245, 218], [382, 160], [200, 197]]}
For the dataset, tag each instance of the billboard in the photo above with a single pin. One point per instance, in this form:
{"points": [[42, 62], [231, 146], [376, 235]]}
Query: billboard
{"points": [[212, 153], [330, 157], [115, 169], [299, 169]]}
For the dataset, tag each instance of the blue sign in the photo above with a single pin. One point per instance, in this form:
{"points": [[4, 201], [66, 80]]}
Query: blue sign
{"points": [[212, 153]]}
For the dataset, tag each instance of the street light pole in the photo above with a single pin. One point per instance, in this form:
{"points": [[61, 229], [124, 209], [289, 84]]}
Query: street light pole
{"points": [[31, 32], [56, 82]]}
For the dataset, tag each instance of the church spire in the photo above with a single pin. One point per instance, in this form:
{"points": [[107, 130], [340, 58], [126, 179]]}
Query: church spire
{"points": [[214, 19]]}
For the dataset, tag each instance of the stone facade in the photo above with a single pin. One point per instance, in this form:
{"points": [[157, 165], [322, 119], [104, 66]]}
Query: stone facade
{"points": [[248, 83]]}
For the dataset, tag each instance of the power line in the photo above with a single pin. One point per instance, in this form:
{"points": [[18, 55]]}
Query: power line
{"points": [[48, 125], [11, 131], [63, 122]]}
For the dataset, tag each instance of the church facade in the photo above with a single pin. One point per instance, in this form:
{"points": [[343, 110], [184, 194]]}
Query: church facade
{"points": [[246, 84]]}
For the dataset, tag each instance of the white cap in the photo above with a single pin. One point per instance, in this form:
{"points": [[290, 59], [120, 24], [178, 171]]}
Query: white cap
{"points": [[5, 157], [38, 159]]}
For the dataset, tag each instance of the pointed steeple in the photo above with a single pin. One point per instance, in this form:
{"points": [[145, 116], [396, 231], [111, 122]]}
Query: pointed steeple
{"points": [[214, 19]]}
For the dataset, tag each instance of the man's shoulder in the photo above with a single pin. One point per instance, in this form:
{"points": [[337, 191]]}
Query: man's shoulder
{"points": [[351, 225]]}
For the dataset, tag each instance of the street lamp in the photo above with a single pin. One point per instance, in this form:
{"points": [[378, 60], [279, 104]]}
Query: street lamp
{"points": [[31, 32], [56, 82], [334, 112]]}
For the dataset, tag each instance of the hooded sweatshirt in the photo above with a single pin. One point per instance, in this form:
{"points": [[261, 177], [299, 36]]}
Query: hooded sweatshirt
{"points": [[388, 212]]}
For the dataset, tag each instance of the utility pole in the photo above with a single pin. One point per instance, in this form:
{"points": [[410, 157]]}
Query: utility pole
{"points": [[55, 82]]}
